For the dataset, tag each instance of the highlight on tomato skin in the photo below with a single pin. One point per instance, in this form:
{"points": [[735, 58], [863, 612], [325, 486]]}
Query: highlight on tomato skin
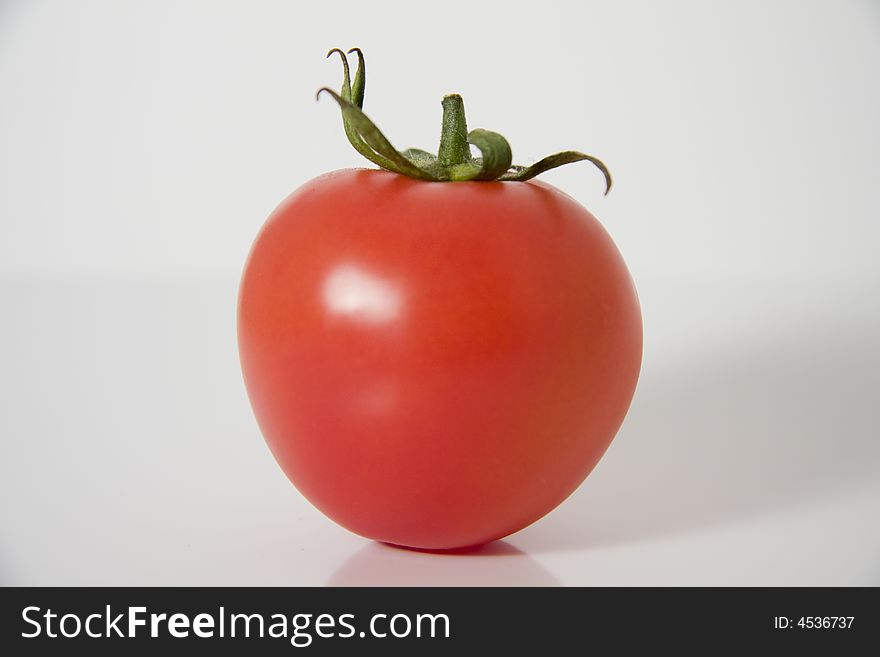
{"points": [[437, 352]]}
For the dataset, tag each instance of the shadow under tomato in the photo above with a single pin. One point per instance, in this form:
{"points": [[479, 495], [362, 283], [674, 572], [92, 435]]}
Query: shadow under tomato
{"points": [[495, 564], [766, 426]]}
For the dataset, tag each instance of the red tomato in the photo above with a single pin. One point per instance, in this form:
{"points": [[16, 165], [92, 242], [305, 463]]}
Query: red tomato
{"points": [[436, 365]]}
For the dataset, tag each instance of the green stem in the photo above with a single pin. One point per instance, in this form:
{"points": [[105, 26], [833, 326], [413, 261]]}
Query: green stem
{"points": [[454, 161], [454, 147]]}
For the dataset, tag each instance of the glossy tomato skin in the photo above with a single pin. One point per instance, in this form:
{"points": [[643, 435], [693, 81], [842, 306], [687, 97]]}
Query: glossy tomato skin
{"points": [[436, 365]]}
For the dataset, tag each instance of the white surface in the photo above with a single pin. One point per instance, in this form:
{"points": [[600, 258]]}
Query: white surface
{"points": [[130, 455], [143, 144]]}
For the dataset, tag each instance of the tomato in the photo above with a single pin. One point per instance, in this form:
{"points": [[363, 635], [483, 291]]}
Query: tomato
{"points": [[436, 365]]}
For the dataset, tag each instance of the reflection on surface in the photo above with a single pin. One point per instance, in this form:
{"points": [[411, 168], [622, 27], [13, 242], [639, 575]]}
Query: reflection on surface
{"points": [[355, 293], [496, 564]]}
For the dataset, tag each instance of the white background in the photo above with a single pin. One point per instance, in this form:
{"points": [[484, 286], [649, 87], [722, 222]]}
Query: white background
{"points": [[143, 144]]}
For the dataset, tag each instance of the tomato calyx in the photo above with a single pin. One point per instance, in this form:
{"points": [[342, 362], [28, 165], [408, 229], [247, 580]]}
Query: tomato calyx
{"points": [[453, 161]]}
